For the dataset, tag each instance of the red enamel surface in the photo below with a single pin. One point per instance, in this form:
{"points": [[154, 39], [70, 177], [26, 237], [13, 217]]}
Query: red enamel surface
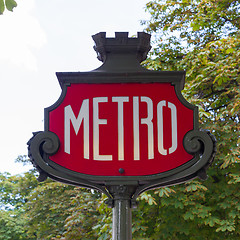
{"points": [[108, 133]]}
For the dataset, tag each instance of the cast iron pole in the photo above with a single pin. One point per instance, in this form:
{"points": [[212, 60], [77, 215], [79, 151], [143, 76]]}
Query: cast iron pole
{"points": [[122, 220], [122, 211]]}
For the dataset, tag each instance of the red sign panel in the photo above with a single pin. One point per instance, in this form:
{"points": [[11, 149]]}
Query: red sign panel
{"points": [[136, 127]]}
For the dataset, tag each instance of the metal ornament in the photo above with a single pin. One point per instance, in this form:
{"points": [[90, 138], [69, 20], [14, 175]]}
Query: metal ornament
{"points": [[121, 57]]}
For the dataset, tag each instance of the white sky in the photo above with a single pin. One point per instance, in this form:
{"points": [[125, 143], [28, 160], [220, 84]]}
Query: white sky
{"points": [[42, 37]]}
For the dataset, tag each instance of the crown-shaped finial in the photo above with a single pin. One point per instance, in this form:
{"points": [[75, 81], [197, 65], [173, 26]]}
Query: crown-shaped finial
{"points": [[122, 45]]}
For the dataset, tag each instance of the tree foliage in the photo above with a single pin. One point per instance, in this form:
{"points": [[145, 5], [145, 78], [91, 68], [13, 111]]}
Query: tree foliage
{"points": [[195, 21], [202, 37], [13, 197], [7, 4], [50, 210]]}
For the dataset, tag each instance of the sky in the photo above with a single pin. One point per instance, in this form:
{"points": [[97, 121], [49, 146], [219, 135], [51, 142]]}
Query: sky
{"points": [[38, 39]]}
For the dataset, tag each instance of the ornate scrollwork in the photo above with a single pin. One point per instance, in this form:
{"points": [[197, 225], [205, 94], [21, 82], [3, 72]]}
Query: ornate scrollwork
{"points": [[202, 143], [40, 144], [192, 142], [45, 142], [40, 147]]}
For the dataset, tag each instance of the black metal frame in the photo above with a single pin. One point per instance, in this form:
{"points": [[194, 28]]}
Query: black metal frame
{"points": [[198, 143]]}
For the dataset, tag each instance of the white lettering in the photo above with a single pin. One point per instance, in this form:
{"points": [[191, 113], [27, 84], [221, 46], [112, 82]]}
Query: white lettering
{"points": [[120, 101], [160, 127], [96, 123], [136, 147], [160, 106], [76, 122], [174, 127], [83, 118], [149, 123]]}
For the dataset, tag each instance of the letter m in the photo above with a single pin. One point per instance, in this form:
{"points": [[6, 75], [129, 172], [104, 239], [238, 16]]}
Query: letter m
{"points": [[69, 118]]}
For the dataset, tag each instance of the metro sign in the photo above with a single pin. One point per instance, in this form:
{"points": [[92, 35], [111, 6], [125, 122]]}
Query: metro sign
{"points": [[121, 125], [121, 129], [136, 127]]}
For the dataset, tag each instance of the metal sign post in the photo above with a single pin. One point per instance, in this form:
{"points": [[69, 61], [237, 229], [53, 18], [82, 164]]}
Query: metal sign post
{"points": [[122, 212], [121, 129]]}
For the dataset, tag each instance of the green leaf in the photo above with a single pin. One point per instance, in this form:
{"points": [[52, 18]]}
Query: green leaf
{"points": [[10, 4], [2, 7], [188, 216], [226, 226], [211, 221], [235, 179], [165, 191], [230, 50], [195, 27]]}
